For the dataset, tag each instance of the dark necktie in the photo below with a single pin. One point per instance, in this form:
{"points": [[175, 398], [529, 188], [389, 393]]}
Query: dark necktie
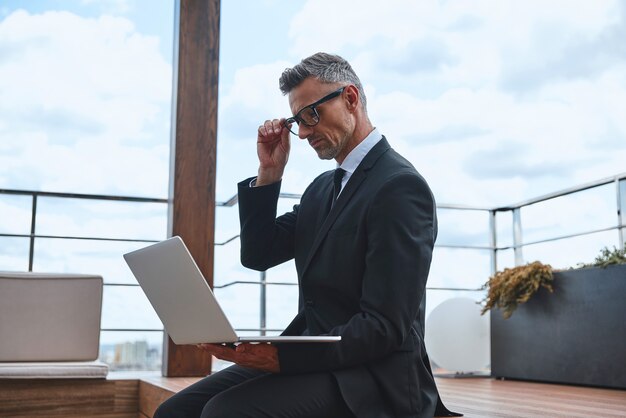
{"points": [[339, 172], [337, 177]]}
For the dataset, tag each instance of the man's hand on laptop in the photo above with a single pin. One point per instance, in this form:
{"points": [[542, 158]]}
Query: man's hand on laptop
{"points": [[256, 356]]}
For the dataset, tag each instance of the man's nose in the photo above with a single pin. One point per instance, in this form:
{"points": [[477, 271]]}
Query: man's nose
{"points": [[304, 131]]}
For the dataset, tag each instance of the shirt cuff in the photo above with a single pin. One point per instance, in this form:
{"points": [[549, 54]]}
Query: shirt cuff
{"points": [[252, 182]]}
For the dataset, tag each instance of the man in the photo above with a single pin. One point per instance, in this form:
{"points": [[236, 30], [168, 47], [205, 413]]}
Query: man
{"points": [[362, 238]]}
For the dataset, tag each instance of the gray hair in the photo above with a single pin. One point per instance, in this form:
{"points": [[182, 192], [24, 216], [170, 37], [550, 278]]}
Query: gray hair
{"points": [[325, 67]]}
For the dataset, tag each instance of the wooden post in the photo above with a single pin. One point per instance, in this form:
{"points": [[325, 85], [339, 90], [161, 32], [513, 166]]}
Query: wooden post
{"points": [[191, 214]]}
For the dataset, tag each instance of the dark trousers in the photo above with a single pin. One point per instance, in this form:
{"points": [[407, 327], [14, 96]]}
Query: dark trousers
{"points": [[241, 392]]}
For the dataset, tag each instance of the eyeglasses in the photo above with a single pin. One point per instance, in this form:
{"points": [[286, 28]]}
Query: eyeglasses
{"points": [[308, 115]]}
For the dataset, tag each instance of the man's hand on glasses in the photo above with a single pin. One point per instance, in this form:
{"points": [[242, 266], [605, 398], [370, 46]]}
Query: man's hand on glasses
{"points": [[273, 147]]}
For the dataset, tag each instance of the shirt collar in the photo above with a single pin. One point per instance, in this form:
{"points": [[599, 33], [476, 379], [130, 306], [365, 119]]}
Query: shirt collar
{"points": [[354, 158]]}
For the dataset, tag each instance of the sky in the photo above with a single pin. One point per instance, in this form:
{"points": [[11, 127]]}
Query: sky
{"points": [[494, 102]]}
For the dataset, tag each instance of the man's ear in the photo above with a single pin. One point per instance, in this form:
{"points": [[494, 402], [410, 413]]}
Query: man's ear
{"points": [[352, 97]]}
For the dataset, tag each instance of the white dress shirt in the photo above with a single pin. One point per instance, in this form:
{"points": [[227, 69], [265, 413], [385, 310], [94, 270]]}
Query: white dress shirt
{"points": [[355, 157]]}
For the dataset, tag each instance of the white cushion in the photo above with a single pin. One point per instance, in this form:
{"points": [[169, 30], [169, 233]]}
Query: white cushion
{"points": [[49, 317], [56, 370]]}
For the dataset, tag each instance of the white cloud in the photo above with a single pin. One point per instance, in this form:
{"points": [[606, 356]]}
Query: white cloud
{"points": [[94, 165], [505, 27], [466, 66], [255, 92], [492, 102], [111, 6], [335, 26], [75, 91]]}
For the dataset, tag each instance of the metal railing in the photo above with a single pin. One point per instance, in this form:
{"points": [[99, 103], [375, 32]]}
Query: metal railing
{"points": [[35, 197], [493, 248], [618, 180]]}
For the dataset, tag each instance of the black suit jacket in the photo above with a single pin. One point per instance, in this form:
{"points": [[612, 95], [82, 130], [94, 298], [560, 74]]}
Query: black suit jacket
{"points": [[362, 273]]}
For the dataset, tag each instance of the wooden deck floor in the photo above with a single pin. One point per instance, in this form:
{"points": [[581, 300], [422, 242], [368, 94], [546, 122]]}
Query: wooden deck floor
{"points": [[486, 397], [136, 395]]}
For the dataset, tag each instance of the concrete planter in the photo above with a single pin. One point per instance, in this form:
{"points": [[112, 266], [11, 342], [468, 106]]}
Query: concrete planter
{"points": [[575, 335]]}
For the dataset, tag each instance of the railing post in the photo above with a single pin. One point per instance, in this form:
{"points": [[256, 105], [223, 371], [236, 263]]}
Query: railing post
{"points": [[493, 241], [620, 186], [517, 236], [33, 222], [263, 304]]}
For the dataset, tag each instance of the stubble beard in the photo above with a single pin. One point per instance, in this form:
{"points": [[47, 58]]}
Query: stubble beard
{"points": [[328, 153]]}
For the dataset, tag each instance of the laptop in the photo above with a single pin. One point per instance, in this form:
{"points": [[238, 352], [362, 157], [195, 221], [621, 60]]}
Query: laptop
{"points": [[183, 300]]}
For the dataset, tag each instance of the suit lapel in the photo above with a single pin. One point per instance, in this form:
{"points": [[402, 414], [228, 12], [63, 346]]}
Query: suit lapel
{"points": [[357, 178]]}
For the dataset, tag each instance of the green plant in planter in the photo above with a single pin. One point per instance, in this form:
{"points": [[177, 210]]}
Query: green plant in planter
{"points": [[607, 258], [516, 285]]}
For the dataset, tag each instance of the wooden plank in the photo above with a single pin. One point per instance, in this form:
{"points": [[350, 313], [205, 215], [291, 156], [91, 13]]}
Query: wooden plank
{"points": [[194, 147], [154, 390], [171, 384], [151, 396], [69, 398], [479, 397]]}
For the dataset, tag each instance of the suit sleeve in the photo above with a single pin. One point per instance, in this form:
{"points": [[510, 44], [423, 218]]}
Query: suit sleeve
{"points": [[266, 241], [401, 230]]}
